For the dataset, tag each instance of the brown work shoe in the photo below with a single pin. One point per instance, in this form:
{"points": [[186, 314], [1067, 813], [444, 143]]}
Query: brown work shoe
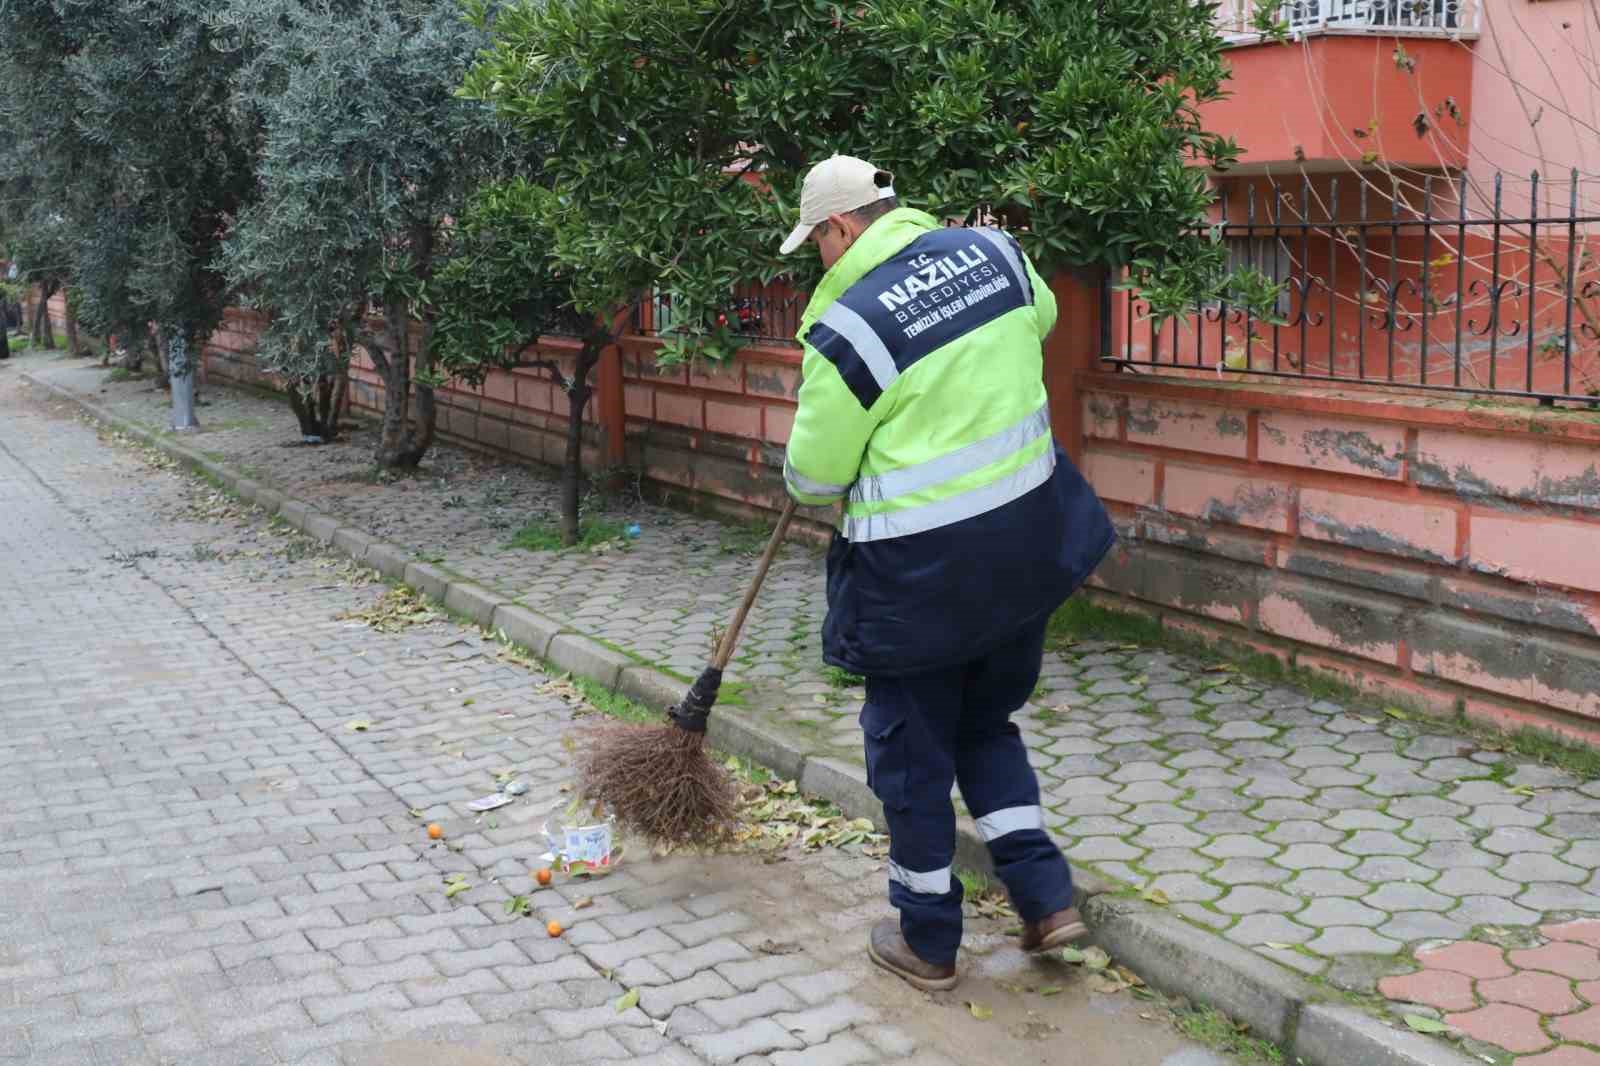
{"points": [[888, 948], [1054, 931]]}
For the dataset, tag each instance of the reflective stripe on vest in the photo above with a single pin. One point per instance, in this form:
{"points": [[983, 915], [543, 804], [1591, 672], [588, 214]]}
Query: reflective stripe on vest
{"points": [[808, 487], [866, 342], [873, 488], [1008, 252], [958, 508]]}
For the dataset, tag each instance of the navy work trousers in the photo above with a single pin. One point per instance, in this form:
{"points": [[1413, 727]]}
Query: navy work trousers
{"points": [[924, 734]]}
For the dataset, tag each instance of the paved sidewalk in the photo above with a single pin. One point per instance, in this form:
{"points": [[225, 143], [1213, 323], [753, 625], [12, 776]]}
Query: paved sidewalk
{"points": [[1334, 840], [202, 864]]}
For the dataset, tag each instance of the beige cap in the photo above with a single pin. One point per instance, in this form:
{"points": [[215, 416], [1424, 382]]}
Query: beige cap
{"points": [[836, 186]]}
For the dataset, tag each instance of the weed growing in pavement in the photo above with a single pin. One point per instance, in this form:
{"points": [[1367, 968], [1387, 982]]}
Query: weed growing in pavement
{"points": [[542, 535], [1208, 1026], [749, 541], [838, 678]]}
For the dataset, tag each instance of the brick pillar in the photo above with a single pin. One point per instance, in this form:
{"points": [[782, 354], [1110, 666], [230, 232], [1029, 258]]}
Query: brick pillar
{"points": [[610, 409], [1074, 347]]}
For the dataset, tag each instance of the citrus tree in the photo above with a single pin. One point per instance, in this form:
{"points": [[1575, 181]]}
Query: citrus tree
{"points": [[680, 131]]}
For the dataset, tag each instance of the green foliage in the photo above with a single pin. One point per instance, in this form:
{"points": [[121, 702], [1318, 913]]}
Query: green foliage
{"points": [[176, 161], [366, 155], [1076, 121], [497, 292]]}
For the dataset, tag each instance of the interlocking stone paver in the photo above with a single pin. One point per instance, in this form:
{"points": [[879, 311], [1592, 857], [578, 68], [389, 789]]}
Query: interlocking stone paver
{"points": [[1410, 926], [1176, 860], [1541, 992], [1400, 896], [1434, 988], [1184, 887], [1280, 803], [1352, 940], [1480, 961], [1323, 913], [1565, 1055], [1167, 836], [1314, 856], [1533, 866], [1581, 931], [1269, 929], [1253, 899], [1239, 846], [1492, 910], [1513, 1028], [1511, 841], [1578, 962], [1387, 868], [1249, 871], [1314, 883]]}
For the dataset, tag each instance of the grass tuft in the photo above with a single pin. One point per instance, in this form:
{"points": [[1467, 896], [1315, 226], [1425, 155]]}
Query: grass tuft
{"points": [[1208, 1026], [545, 536]]}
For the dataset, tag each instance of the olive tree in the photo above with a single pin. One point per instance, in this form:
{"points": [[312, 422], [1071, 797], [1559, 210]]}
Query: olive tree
{"points": [[174, 163], [367, 154]]}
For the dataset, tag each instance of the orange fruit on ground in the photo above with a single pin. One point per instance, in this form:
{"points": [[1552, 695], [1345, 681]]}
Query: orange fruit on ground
{"points": [[554, 928], [543, 876], [435, 831]]}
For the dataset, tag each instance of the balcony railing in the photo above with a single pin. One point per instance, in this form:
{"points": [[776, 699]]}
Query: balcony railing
{"points": [[1425, 18]]}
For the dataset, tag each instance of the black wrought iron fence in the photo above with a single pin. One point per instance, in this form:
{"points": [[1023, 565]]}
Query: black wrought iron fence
{"points": [[1434, 283], [763, 314]]}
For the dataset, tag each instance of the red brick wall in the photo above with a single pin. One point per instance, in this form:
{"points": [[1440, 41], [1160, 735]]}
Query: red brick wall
{"points": [[1437, 550], [1422, 547]]}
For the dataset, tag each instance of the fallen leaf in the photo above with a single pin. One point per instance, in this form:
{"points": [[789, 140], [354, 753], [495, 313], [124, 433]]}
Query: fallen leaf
{"points": [[770, 947], [468, 702], [1129, 977], [1420, 1024], [1156, 896], [1096, 958], [1520, 790], [1395, 712], [1277, 945], [1050, 990], [415, 812], [628, 1000], [1106, 984], [1070, 955], [979, 1011], [456, 888], [583, 904], [358, 725]]}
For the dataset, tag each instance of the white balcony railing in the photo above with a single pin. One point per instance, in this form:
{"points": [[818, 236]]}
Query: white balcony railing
{"points": [[1406, 18]]}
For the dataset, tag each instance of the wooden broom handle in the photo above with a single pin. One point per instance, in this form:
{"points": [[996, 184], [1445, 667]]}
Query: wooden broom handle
{"points": [[731, 638]]}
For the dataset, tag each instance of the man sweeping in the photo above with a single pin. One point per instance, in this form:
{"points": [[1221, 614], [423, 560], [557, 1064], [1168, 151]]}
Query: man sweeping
{"points": [[923, 407]]}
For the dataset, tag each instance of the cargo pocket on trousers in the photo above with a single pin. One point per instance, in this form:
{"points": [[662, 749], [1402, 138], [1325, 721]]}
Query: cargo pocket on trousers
{"points": [[888, 768]]}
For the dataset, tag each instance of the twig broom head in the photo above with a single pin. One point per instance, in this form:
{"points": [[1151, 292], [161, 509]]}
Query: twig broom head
{"points": [[658, 780]]}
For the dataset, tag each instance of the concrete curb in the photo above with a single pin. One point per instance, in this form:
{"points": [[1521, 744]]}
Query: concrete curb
{"points": [[1171, 954]]}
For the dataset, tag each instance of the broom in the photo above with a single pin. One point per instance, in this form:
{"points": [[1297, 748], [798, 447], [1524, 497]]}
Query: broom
{"points": [[658, 780]]}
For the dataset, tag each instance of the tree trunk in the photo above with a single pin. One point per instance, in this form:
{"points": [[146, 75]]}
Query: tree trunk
{"points": [[159, 346], [43, 336], [182, 367], [316, 407], [5, 338], [578, 395], [72, 330]]}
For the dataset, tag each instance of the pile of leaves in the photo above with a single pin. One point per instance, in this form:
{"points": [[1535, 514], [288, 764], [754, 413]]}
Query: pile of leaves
{"points": [[398, 609], [777, 815]]}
